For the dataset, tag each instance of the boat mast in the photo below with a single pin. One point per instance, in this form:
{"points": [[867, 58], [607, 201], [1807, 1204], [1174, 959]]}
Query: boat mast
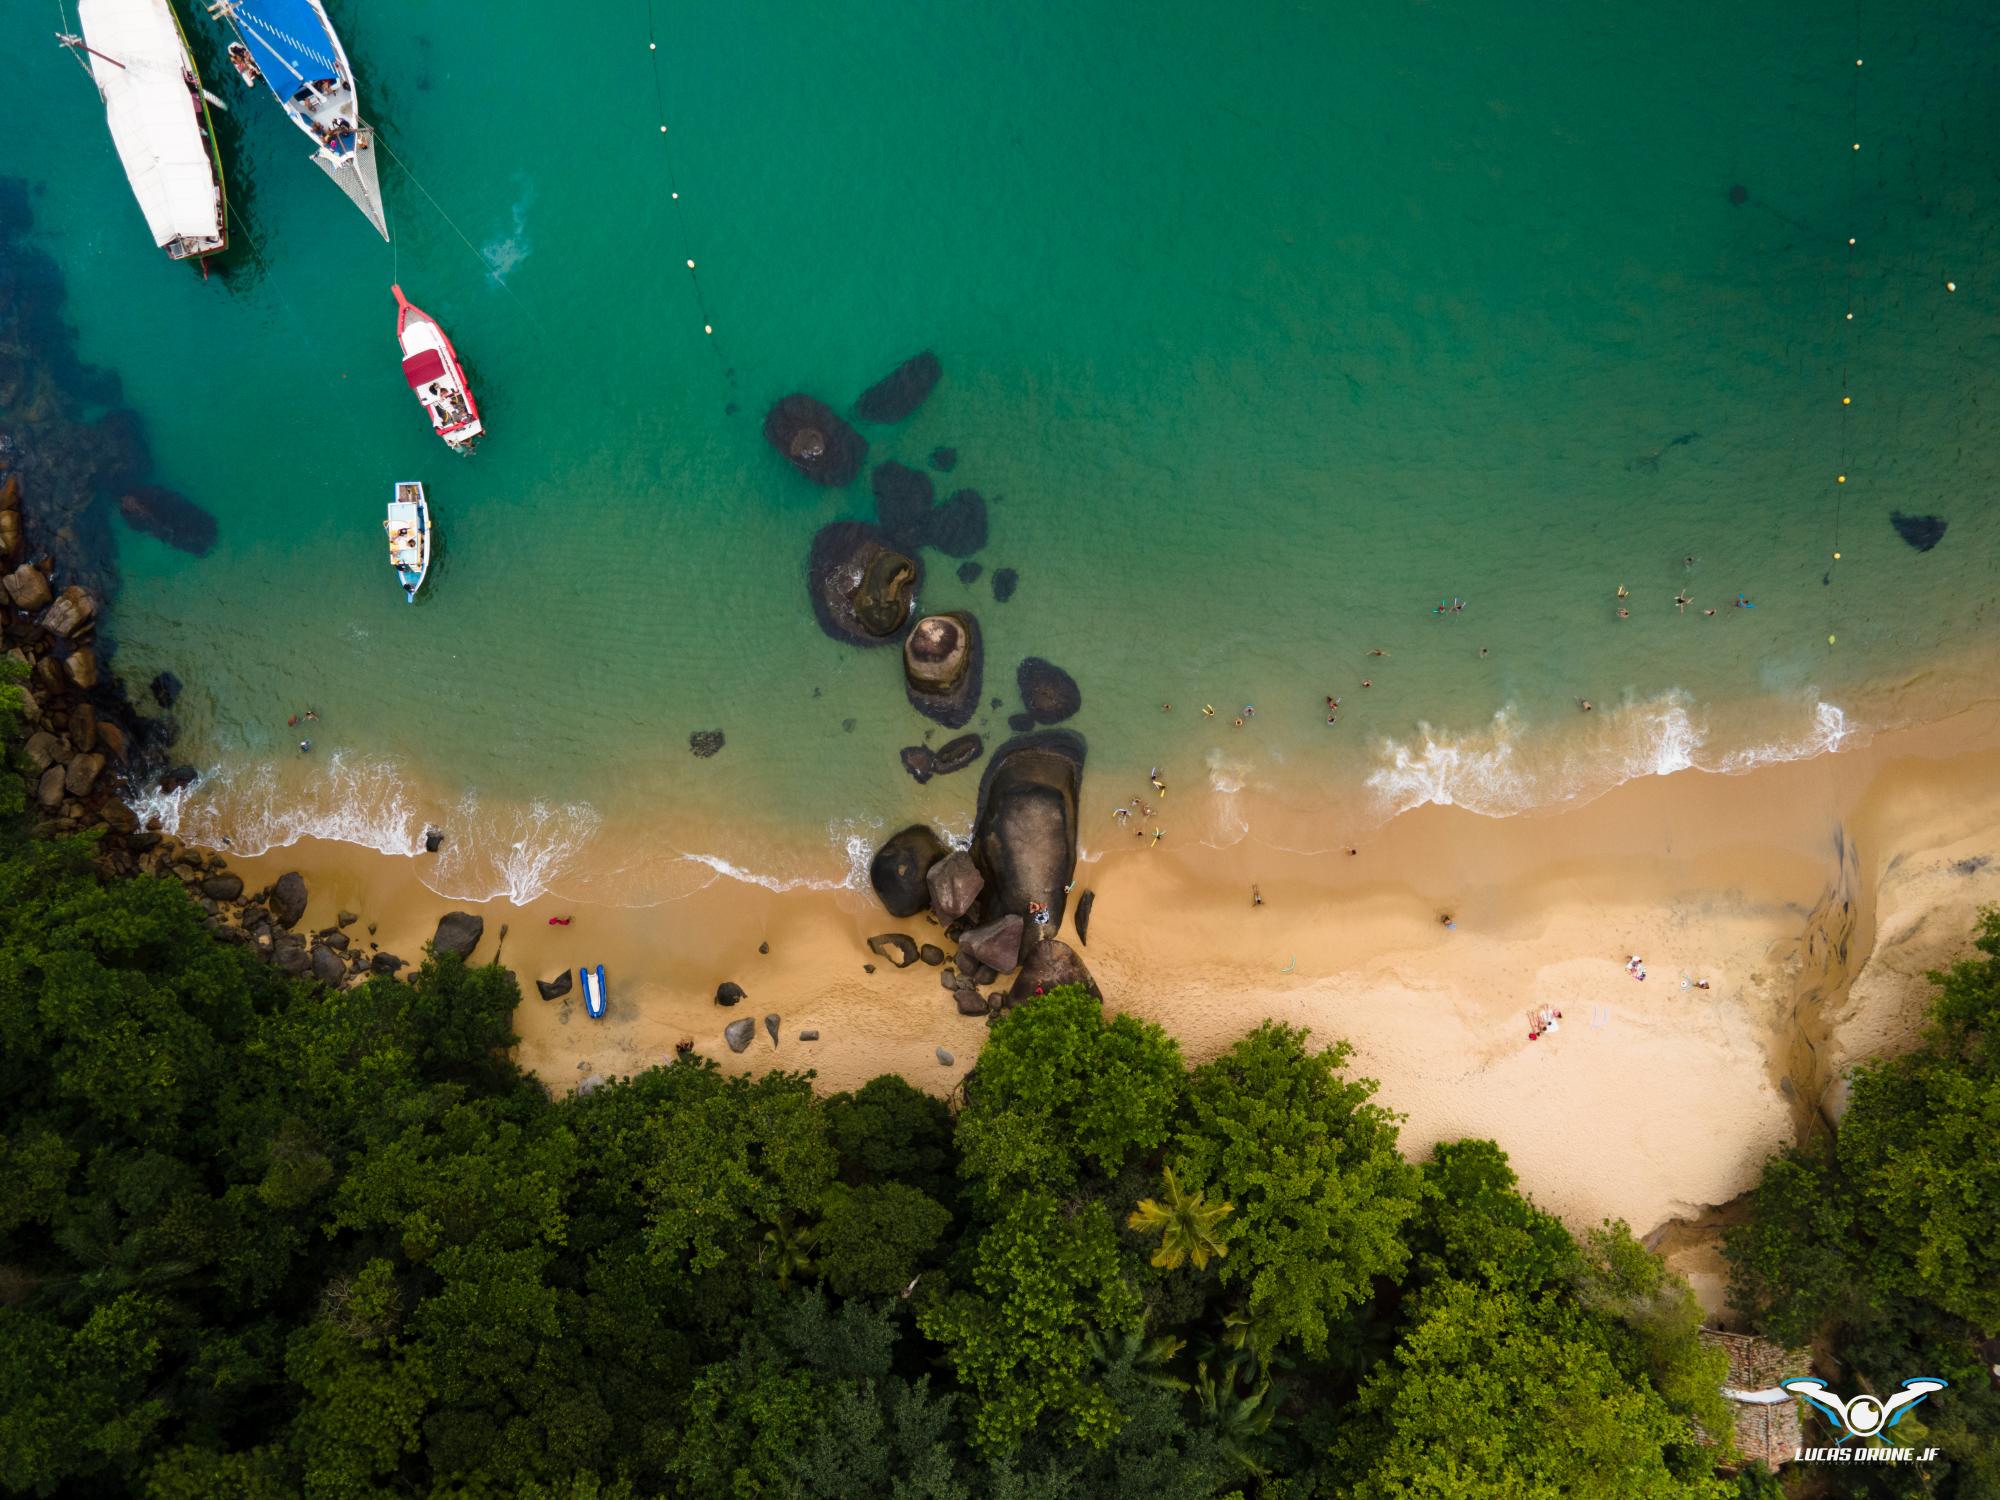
{"points": [[77, 43]]}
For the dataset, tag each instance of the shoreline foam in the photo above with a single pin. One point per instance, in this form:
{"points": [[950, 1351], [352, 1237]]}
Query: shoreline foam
{"points": [[1675, 1094]]}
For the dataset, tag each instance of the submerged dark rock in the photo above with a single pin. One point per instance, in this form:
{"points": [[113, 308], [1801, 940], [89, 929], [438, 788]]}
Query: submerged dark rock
{"points": [[863, 590], [944, 460], [705, 742], [1005, 581], [1921, 532], [897, 872], [170, 516], [943, 666], [815, 441], [902, 502], [968, 572], [1049, 693], [920, 762], [957, 754], [901, 391], [1021, 723], [165, 688], [957, 528]]}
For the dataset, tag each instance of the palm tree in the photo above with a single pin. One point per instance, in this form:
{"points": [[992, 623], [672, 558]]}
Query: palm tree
{"points": [[1240, 1420], [788, 1251], [1147, 1359], [1188, 1225]]}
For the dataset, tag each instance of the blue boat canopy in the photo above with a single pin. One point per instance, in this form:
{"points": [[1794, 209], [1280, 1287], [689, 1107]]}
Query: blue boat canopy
{"points": [[289, 41]]}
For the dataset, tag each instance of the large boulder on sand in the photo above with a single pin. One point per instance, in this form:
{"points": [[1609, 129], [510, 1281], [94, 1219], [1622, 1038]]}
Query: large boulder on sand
{"points": [[1048, 692], [1025, 838], [863, 590], [288, 899], [997, 944], [898, 947], [1047, 964], [900, 866], [955, 883], [739, 1034], [942, 667], [901, 391], [815, 441], [459, 932]]}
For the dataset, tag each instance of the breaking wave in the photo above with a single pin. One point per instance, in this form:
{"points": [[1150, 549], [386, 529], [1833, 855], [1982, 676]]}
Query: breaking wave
{"points": [[489, 852], [1501, 770]]}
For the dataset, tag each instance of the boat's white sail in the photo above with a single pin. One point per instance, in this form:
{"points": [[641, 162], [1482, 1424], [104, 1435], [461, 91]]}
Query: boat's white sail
{"points": [[153, 104], [295, 47]]}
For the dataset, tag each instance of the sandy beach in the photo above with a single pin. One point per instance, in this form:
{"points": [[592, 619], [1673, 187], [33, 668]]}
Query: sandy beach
{"points": [[1811, 896]]}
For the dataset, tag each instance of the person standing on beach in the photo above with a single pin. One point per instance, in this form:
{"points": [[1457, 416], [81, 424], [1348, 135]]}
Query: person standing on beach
{"points": [[1256, 896]]}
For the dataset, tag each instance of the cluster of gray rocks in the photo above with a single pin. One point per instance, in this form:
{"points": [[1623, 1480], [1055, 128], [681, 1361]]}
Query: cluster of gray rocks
{"points": [[1001, 902]]}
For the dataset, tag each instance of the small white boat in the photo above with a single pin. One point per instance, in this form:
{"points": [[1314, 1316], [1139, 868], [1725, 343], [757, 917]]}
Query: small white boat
{"points": [[158, 114], [292, 47], [409, 529], [435, 376]]}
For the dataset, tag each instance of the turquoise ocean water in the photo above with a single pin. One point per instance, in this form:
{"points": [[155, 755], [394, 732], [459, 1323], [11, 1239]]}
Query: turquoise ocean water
{"points": [[1262, 329]]}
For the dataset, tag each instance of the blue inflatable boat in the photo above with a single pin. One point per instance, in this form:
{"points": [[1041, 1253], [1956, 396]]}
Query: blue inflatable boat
{"points": [[593, 991]]}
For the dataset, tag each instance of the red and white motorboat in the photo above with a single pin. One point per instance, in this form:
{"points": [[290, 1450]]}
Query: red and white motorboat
{"points": [[431, 366]]}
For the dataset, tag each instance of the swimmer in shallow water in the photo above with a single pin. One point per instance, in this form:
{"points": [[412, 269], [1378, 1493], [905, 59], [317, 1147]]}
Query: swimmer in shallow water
{"points": [[1208, 710], [1158, 785], [1623, 592], [1624, 614], [1585, 704]]}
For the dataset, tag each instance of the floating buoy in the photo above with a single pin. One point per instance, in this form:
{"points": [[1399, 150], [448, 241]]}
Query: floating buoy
{"points": [[1951, 286], [1829, 640], [1836, 557]]}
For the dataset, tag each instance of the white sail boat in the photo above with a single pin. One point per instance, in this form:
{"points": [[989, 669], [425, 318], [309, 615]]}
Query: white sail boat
{"points": [[293, 46], [158, 114]]}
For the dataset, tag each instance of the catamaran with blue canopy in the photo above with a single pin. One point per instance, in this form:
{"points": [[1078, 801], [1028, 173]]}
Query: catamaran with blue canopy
{"points": [[291, 45]]}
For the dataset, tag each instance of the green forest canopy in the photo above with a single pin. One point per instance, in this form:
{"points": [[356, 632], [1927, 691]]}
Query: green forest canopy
{"points": [[259, 1238]]}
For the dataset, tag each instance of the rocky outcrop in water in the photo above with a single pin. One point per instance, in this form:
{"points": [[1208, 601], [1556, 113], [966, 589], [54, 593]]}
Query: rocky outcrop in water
{"points": [[1005, 581], [957, 754], [1049, 694], [943, 667], [901, 391], [705, 742], [815, 441], [955, 883], [863, 590]]}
